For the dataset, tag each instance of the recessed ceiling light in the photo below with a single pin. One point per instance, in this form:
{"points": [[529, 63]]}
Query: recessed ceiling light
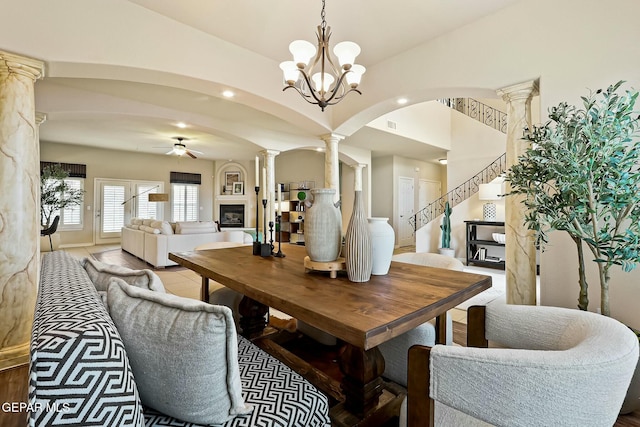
{"points": [[402, 101], [228, 94], [181, 125]]}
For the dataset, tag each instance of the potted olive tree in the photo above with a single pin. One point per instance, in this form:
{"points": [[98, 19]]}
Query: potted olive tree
{"points": [[581, 175], [56, 194]]}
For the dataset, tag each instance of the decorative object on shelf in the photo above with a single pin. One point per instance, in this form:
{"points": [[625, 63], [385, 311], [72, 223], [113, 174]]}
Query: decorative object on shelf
{"points": [[238, 187], [302, 196], [383, 240], [322, 83], [323, 226], [490, 192], [499, 237], [358, 252], [445, 246]]}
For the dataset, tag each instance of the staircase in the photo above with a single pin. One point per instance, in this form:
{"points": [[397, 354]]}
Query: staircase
{"points": [[460, 193], [489, 116]]}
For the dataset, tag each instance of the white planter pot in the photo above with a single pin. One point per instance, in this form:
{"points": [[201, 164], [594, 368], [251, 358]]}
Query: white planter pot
{"points": [[447, 252], [383, 240], [632, 399]]}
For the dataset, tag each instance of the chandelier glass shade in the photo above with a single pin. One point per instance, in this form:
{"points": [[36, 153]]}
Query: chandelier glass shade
{"points": [[313, 72]]}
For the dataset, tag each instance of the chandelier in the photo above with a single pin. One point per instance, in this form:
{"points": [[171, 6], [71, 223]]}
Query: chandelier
{"points": [[321, 82]]}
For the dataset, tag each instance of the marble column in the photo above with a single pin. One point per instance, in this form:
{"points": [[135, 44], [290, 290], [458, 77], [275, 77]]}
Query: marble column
{"points": [[270, 164], [357, 183], [19, 205], [520, 249], [331, 165]]}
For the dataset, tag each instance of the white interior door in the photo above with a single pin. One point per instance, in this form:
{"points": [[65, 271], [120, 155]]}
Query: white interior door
{"points": [[406, 202], [114, 209]]}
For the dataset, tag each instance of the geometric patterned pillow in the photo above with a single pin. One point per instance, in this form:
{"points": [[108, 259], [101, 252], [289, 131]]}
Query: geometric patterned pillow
{"points": [[79, 371]]}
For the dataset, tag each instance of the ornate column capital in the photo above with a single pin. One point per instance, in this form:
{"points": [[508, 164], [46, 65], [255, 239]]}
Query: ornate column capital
{"points": [[331, 137], [269, 153], [15, 64], [519, 92]]}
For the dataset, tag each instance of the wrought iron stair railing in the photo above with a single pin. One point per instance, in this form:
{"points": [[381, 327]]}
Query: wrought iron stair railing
{"points": [[479, 111], [460, 193]]}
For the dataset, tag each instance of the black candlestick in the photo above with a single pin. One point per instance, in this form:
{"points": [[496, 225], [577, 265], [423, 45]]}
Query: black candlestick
{"points": [[279, 254], [265, 248], [256, 243], [271, 235]]}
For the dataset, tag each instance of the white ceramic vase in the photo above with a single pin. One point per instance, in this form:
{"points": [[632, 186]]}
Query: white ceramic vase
{"points": [[323, 227], [383, 240]]}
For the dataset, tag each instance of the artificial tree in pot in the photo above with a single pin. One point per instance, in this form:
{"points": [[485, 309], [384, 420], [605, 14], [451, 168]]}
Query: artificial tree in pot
{"points": [[582, 175], [55, 193]]}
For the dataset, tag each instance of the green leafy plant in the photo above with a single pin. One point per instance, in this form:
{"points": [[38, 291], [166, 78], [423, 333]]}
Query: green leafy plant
{"points": [[446, 227], [581, 175], [55, 193]]}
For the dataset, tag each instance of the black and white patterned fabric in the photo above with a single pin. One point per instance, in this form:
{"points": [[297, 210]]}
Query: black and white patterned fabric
{"points": [[281, 397], [79, 372]]}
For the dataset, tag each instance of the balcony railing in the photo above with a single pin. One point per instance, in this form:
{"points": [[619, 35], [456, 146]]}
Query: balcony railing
{"points": [[478, 111], [460, 193]]}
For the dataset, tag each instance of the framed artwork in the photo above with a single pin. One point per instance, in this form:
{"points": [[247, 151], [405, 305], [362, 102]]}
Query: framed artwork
{"points": [[230, 178], [238, 187]]}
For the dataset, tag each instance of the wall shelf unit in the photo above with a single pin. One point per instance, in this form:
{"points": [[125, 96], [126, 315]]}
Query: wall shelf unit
{"points": [[294, 195], [478, 238]]}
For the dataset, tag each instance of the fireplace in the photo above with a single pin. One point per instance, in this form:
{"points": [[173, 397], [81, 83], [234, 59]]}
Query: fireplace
{"points": [[232, 216]]}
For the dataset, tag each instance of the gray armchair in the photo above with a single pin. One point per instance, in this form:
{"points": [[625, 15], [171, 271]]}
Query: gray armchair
{"points": [[555, 367], [395, 350]]}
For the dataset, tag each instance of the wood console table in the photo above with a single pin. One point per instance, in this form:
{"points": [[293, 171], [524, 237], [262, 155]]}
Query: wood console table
{"points": [[363, 315]]}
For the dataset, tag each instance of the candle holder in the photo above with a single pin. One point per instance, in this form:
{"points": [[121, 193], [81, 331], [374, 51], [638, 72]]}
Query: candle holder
{"points": [[271, 235], [265, 248], [256, 243], [279, 254]]}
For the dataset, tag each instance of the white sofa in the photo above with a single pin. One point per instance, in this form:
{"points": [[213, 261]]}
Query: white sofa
{"points": [[152, 241]]}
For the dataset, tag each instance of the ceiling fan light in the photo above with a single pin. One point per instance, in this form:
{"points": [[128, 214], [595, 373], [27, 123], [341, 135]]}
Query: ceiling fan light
{"points": [[355, 75], [346, 53], [290, 71], [319, 84], [302, 52], [179, 149]]}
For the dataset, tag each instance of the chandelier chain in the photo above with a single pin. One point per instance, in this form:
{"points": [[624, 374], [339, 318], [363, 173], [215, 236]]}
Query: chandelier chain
{"points": [[324, 22]]}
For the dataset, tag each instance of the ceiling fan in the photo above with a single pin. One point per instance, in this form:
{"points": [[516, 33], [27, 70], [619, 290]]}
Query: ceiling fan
{"points": [[179, 149]]}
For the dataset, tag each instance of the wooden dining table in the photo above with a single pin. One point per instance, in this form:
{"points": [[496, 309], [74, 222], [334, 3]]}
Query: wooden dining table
{"points": [[362, 315]]}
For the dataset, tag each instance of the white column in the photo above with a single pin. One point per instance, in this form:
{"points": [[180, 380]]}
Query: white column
{"points": [[357, 185], [331, 165], [520, 251], [19, 205], [269, 161]]}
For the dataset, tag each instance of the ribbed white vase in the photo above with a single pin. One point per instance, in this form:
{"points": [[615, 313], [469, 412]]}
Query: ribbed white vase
{"points": [[383, 240], [323, 227], [358, 251]]}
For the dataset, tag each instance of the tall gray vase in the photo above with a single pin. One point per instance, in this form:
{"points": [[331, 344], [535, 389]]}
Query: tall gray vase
{"points": [[323, 227], [358, 249]]}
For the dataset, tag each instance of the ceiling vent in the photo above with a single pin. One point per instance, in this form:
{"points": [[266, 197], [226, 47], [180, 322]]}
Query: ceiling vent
{"points": [[391, 125]]}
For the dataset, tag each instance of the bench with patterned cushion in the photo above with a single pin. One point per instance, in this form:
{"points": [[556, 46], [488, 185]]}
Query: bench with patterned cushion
{"points": [[80, 373]]}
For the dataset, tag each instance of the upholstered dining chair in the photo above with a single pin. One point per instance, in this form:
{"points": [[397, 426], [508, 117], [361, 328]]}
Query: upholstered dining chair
{"points": [[395, 350], [50, 230], [547, 366]]}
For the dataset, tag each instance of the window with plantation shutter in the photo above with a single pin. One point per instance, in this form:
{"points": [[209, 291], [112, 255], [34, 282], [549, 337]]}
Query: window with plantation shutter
{"points": [[144, 208], [71, 217], [184, 202], [113, 208]]}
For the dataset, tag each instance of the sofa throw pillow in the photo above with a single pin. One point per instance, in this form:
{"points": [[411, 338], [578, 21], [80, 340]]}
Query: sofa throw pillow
{"points": [[196, 227], [163, 226], [183, 353], [100, 274]]}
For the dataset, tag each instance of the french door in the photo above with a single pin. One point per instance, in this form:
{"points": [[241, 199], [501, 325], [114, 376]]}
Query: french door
{"points": [[117, 201]]}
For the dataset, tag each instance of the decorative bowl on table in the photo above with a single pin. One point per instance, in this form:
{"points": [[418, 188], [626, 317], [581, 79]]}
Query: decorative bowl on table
{"points": [[499, 237]]}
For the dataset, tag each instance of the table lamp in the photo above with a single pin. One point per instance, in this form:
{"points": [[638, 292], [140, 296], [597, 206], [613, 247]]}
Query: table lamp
{"points": [[490, 192]]}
